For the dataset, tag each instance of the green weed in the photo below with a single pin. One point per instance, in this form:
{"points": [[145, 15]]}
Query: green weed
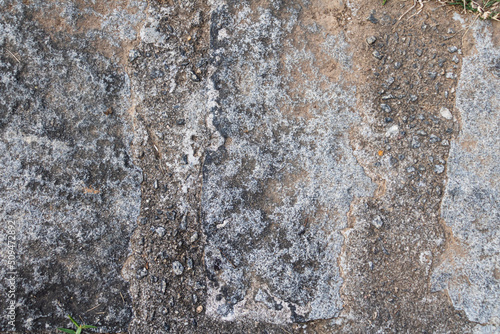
{"points": [[79, 328]]}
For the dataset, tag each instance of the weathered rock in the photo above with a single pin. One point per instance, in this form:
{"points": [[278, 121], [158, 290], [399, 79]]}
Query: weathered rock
{"points": [[69, 187], [469, 269], [276, 193]]}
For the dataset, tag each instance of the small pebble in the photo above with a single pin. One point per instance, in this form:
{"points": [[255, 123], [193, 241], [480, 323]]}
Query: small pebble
{"points": [[141, 273], [372, 19], [452, 49], [434, 139], [385, 107], [397, 65], [194, 77], [445, 113], [451, 75], [194, 237], [390, 81], [415, 143], [410, 169], [177, 268], [190, 264], [199, 309], [377, 222], [388, 97], [160, 231], [439, 169], [377, 55], [370, 40]]}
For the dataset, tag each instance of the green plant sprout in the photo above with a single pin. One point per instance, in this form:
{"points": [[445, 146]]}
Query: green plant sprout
{"points": [[79, 328]]}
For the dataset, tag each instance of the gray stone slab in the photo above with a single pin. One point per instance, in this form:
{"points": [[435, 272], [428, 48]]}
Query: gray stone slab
{"points": [[70, 194], [470, 268], [277, 193]]}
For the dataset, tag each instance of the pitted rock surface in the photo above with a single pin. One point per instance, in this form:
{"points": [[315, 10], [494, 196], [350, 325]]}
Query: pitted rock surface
{"points": [[220, 166], [469, 270], [69, 185]]}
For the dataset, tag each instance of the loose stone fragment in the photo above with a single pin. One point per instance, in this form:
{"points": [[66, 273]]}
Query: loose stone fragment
{"points": [[177, 268], [163, 288], [445, 113], [415, 143], [372, 19], [434, 139], [370, 40], [385, 107], [141, 273], [194, 237], [160, 231], [377, 222], [439, 169], [451, 75], [377, 55]]}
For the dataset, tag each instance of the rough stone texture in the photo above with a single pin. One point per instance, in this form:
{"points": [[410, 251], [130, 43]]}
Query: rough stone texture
{"points": [[387, 269], [68, 183], [470, 269], [250, 166], [277, 193]]}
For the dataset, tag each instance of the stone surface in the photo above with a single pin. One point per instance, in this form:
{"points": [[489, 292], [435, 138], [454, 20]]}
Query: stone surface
{"points": [[68, 183], [219, 166], [470, 268], [277, 193]]}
